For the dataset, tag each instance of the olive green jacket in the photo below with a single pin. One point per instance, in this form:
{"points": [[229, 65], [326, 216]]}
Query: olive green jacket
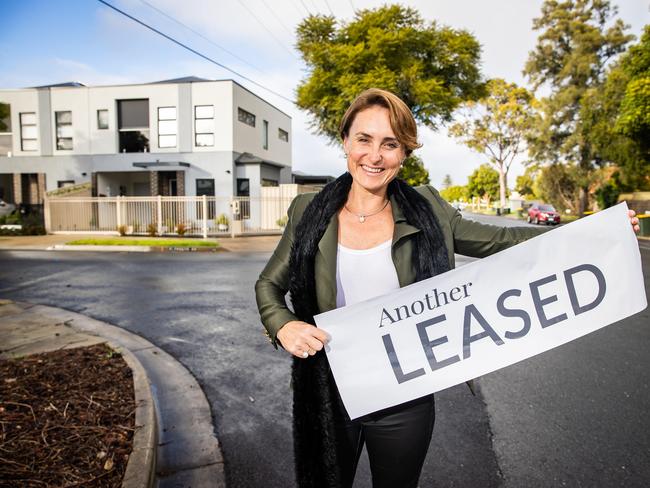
{"points": [[462, 236]]}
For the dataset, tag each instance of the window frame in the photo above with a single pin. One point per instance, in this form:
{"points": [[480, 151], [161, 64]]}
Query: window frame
{"points": [[241, 180], [57, 125], [99, 126], [197, 133], [283, 135], [265, 135], [175, 134], [23, 139], [196, 186], [246, 117]]}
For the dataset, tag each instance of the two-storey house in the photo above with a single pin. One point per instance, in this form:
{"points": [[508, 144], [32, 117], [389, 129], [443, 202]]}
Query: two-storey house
{"points": [[181, 137]]}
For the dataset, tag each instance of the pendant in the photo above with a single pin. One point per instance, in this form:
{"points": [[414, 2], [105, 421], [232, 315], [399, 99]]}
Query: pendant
{"points": [[362, 218]]}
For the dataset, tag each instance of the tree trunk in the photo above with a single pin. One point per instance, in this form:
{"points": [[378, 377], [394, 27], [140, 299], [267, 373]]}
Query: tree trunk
{"points": [[503, 184], [583, 203]]}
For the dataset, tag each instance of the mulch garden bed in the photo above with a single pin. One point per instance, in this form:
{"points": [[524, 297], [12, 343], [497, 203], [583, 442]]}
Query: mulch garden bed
{"points": [[67, 418]]}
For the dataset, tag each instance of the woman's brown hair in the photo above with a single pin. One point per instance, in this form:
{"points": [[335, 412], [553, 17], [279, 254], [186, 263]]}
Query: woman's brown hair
{"points": [[401, 119]]}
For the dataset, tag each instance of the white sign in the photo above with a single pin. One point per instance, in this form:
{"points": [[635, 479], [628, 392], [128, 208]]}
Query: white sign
{"points": [[486, 315]]}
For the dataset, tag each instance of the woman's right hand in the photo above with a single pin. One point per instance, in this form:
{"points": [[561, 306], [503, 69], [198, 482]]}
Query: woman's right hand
{"points": [[301, 339]]}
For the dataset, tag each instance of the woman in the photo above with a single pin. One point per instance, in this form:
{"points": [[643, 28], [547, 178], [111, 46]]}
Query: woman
{"points": [[365, 234]]}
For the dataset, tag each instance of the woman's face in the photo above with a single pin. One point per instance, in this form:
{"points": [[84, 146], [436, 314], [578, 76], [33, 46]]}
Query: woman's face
{"points": [[374, 153]]}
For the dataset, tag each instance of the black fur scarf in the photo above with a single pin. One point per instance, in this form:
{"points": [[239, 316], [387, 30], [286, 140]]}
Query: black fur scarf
{"points": [[316, 404]]}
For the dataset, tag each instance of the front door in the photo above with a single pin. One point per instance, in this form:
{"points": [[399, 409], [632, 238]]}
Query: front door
{"points": [[173, 192]]}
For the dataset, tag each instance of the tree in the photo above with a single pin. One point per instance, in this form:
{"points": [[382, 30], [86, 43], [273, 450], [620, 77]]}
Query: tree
{"points": [[454, 193], [575, 44], [484, 182], [447, 182], [525, 184], [496, 126], [617, 116], [433, 69], [557, 185], [414, 172]]}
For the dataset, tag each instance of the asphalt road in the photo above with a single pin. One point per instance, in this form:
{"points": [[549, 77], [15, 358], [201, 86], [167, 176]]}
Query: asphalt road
{"points": [[574, 416]]}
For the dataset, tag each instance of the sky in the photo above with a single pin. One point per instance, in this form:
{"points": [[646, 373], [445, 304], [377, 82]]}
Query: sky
{"points": [[45, 42]]}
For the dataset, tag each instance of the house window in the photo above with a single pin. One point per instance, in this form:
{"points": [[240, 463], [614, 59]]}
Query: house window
{"points": [[6, 143], [166, 126], [28, 131], [133, 123], [269, 182], [204, 186], [64, 183], [243, 187], [204, 125], [283, 135], [63, 130], [265, 134], [102, 119], [245, 117]]}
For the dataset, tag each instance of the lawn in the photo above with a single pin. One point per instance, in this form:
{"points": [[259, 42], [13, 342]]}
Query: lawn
{"points": [[120, 241]]}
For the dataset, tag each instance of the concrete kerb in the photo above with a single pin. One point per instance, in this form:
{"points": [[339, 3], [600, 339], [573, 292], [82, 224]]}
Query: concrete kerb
{"points": [[184, 445], [141, 467]]}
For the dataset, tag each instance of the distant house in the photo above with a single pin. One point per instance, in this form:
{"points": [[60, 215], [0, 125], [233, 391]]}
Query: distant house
{"points": [[181, 137]]}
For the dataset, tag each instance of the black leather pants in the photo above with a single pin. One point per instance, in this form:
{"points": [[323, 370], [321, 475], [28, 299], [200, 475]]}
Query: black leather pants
{"points": [[397, 440]]}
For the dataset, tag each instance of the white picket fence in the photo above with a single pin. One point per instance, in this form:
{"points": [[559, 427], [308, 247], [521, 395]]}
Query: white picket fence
{"points": [[143, 215]]}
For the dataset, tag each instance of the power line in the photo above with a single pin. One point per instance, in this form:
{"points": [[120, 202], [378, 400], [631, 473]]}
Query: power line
{"points": [[199, 34], [306, 8], [276, 17], [195, 52], [266, 28], [354, 10], [329, 8], [295, 5]]}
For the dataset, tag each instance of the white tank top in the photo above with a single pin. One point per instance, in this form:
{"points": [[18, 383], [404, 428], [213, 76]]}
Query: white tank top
{"points": [[364, 273]]}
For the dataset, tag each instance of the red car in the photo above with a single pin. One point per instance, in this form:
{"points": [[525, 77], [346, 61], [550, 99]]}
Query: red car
{"points": [[540, 213]]}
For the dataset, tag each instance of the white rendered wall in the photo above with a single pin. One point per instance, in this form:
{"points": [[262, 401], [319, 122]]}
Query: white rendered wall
{"points": [[250, 139], [219, 95]]}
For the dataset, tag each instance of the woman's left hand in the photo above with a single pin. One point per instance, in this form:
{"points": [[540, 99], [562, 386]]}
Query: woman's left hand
{"points": [[633, 220]]}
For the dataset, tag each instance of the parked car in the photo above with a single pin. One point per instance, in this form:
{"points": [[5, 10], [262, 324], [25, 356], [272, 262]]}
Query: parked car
{"points": [[541, 213]]}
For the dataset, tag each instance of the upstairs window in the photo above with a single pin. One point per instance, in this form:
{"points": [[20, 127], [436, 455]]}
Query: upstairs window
{"points": [[28, 131], [204, 125], [283, 135], [245, 117], [166, 126], [265, 134], [102, 119], [6, 143], [63, 130], [133, 123]]}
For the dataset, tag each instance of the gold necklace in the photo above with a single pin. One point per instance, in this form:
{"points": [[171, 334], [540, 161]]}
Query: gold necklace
{"points": [[362, 217]]}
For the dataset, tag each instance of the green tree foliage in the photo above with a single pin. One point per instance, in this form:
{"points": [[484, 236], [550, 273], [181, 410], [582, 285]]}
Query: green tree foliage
{"points": [[454, 193], [432, 68], [620, 118], [484, 182], [496, 125], [577, 39], [526, 183], [557, 185], [634, 118], [414, 172]]}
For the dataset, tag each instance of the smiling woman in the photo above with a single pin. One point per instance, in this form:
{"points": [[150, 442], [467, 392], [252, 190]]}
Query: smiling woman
{"points": [[364, 235]]}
